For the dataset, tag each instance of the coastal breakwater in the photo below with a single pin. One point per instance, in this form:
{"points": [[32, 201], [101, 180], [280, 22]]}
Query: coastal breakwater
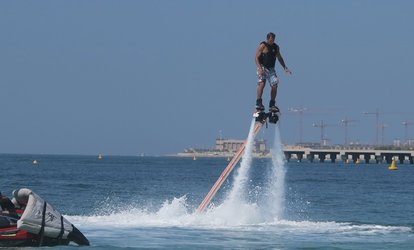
{"points": [[322, 154]]}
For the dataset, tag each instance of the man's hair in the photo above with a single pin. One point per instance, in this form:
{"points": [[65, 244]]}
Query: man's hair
{"points": [[270, 35]]}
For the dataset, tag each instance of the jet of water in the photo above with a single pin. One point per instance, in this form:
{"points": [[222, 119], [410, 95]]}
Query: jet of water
{"points": [[273, 207], [237, 192]]}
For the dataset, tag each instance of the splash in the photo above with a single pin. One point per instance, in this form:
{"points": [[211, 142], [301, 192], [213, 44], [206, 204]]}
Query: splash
{"points": [[235, 210], [238, 190], [273, 207], [176, 213]]}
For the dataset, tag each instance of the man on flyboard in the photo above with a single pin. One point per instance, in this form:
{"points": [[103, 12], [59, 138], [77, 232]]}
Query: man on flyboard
{"points": [[266, 55]]}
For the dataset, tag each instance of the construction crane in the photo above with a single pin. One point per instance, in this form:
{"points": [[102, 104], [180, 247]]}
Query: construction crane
{"points": [[406, 124], [382, 127], [345, 122], [377, 114], [322, 126]]}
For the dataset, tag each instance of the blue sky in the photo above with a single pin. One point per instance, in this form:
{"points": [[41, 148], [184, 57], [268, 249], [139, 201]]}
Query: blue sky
{"points": [[156, 77]]}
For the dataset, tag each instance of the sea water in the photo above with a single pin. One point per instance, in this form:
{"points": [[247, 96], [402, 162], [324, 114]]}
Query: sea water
{"points": [[123, 202]]}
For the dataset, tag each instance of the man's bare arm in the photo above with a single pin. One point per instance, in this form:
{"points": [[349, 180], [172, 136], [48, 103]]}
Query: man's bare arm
{"points": [[282, 62]]}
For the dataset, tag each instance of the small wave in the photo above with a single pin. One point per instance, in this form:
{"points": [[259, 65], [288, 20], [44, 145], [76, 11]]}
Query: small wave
{"points": [[332, 227]]}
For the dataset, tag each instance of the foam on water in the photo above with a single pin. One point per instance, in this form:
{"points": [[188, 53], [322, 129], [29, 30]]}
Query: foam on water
{"points": [[175, 213]]}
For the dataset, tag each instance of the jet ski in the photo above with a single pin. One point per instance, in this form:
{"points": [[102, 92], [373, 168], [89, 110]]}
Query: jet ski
{"points": [[28, 220]]}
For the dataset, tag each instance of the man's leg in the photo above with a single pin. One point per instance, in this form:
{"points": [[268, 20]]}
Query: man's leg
{"points": [[272, 103], [260, 87], [273, 92], [274, 81]]}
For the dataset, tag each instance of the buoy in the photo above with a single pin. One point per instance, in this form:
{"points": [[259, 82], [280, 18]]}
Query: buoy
{"points": [[392, 166], [34, 162]]}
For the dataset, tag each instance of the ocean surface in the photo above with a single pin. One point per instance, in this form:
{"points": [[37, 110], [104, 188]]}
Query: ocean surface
{"points": [[123, 202]]}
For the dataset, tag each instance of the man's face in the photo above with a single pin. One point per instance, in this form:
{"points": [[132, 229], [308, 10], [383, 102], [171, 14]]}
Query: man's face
{"points": [[271, 40]]}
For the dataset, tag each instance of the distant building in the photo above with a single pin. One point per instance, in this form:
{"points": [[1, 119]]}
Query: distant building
{"points": [[398, 143], [233, 145]]}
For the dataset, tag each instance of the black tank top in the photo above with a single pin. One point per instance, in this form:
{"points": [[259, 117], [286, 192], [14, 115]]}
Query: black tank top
{"points": [[268, 59]]}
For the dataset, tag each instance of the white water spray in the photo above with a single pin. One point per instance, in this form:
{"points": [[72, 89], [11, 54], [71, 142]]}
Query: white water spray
{"points": [[235, 209], [275, 188], [240, 180]]}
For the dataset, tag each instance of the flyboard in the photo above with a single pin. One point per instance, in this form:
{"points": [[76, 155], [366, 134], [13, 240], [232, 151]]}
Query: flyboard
{"points": [[261, 118]]}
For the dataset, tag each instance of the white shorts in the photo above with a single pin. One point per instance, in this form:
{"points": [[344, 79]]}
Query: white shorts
{"points": [[268, 75]]}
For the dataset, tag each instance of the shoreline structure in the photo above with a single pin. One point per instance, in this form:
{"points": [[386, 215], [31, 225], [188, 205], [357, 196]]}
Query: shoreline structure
{"points": [[311, 152]]}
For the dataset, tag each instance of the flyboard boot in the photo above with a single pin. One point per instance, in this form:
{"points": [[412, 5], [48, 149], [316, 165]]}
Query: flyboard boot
{"points": [[260, 114], [273, 112]]}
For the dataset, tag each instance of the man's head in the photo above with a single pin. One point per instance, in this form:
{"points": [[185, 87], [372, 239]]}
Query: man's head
{"points": [[270, 37]]}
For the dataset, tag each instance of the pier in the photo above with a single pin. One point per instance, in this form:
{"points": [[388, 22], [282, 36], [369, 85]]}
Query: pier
{"points": [[312, 152], [320, 154], [347, 154]]}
